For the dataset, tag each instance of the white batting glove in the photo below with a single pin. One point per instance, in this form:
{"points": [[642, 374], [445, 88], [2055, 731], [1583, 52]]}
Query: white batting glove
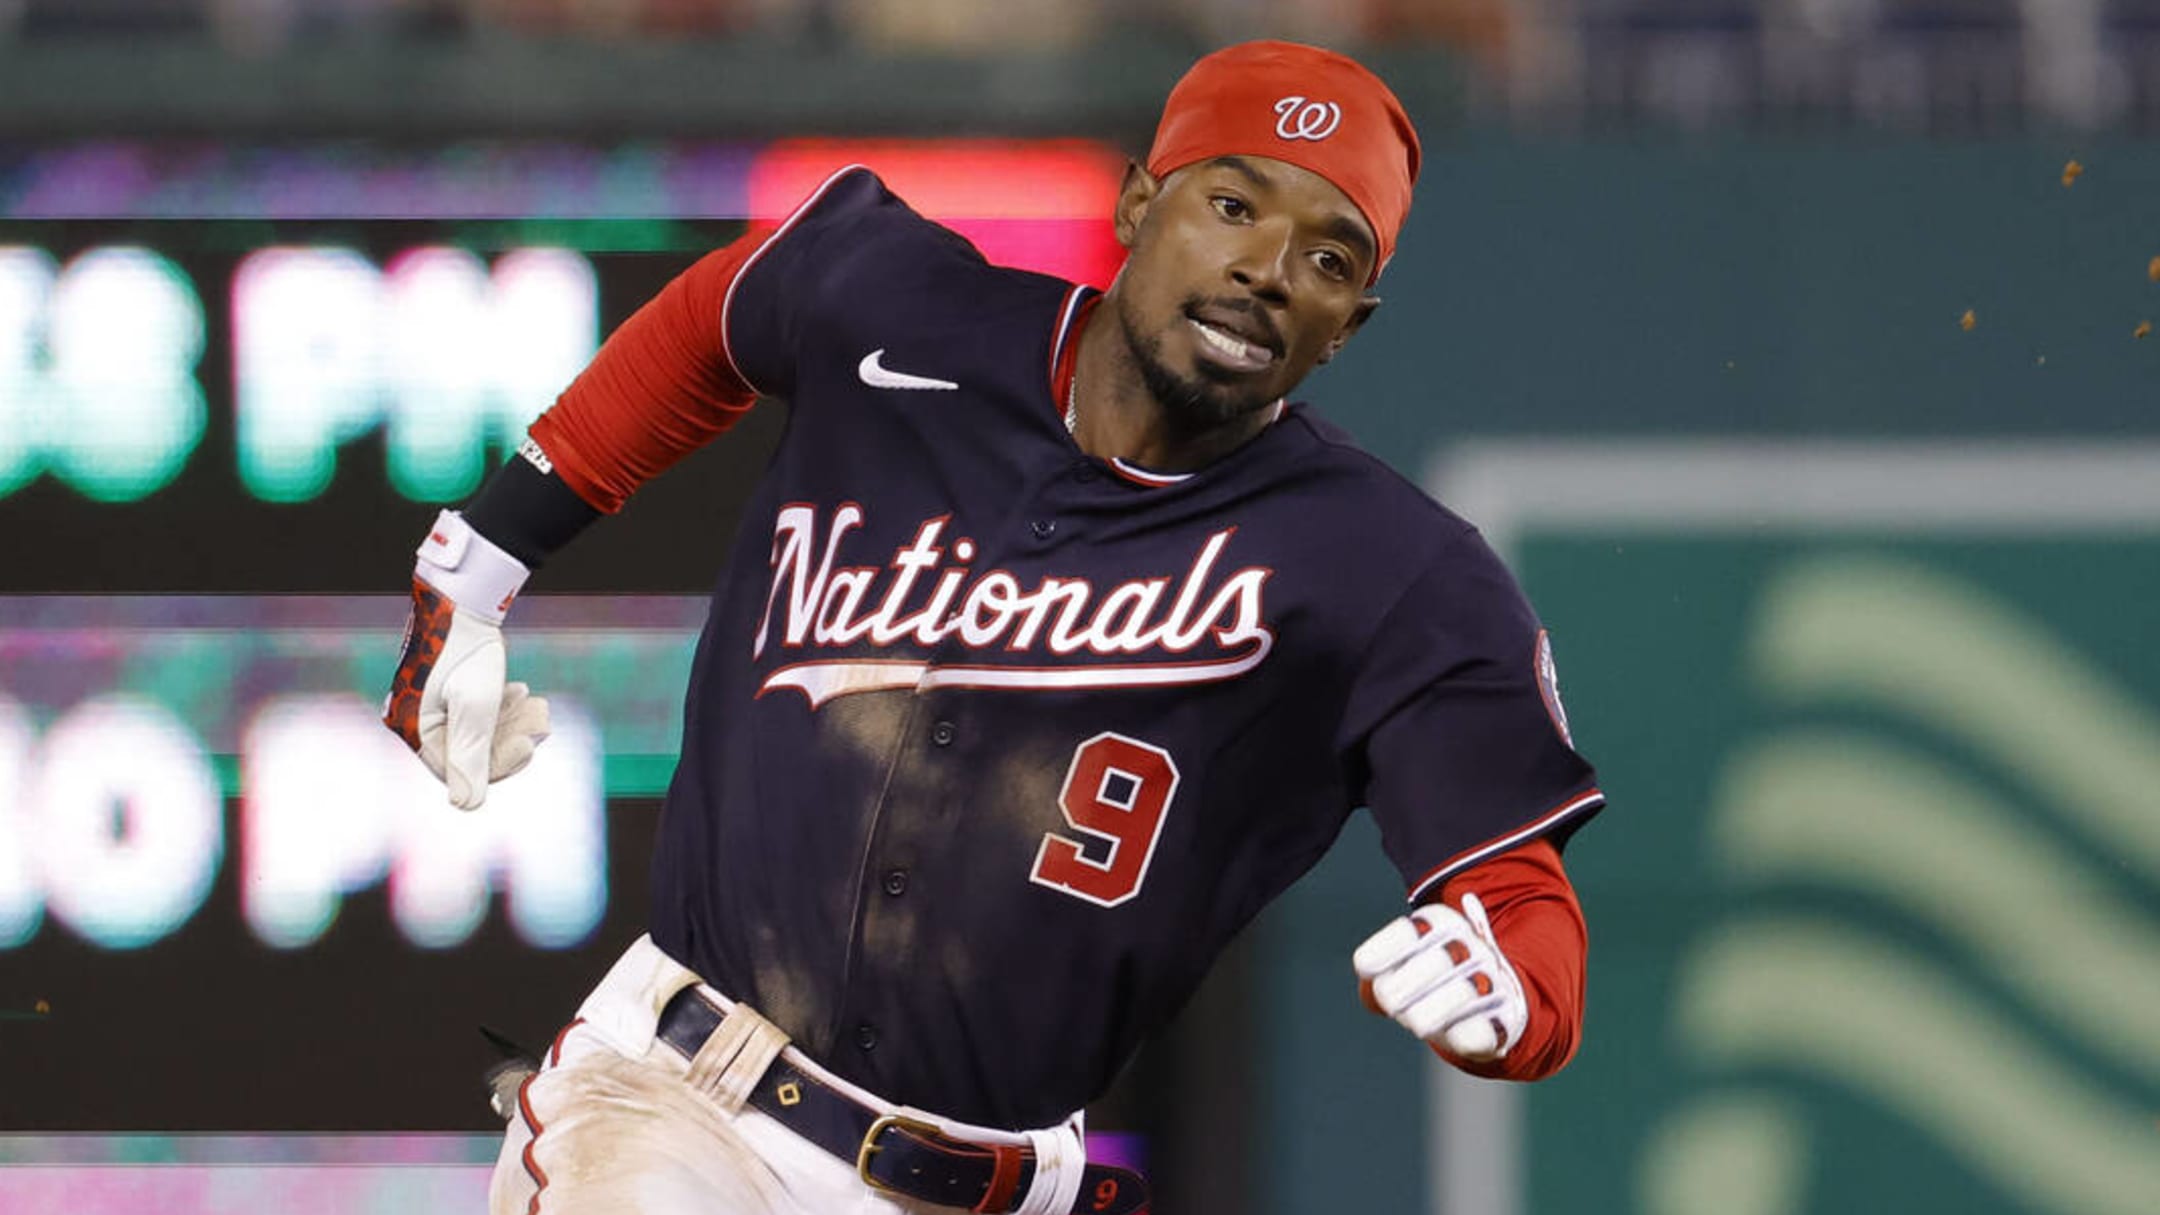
{"points": [[449, 700], [1439, 973]]}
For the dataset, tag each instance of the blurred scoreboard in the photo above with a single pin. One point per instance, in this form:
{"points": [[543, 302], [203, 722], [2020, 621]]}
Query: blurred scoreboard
{"points": [[235, 384], [441, 349], [200, 332]]}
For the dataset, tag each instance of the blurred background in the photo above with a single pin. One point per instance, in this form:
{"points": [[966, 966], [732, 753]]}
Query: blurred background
{"points": [[1795, 353]]}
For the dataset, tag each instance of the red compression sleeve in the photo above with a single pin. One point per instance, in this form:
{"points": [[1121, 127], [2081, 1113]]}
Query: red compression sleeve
{"points": [[1540, 930], [662, 386]]}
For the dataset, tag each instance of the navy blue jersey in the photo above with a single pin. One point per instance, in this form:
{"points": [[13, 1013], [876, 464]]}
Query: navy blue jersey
{"points": [[991, 746]]}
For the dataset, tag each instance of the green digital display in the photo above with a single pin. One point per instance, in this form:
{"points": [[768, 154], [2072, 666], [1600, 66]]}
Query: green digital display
{"points": [[127, 726], [447, 354], [98, 364]]}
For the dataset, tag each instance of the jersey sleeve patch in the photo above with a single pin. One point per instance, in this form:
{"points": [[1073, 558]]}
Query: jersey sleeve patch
{"points": [[1548, 679]]}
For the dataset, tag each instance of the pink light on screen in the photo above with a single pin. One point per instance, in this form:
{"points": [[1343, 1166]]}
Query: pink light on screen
{"points": [[412, 1174], [1041, 205], [242, 1189]]}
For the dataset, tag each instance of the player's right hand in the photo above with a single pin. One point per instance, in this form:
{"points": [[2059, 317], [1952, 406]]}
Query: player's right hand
{"points": [[450, 701]]}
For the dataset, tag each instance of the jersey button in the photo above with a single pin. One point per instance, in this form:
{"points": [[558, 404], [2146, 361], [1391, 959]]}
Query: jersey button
{"points": [[896, 882], [944, 733], [1043, 528], [1084, 474], [866, 1036]]}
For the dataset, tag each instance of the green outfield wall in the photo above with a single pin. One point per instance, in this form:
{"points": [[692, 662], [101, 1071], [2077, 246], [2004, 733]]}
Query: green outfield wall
{"points": [[1767, 286]]}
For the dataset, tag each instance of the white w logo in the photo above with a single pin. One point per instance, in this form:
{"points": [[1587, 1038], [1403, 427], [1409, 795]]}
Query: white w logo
{"points": [[1297, 118]]}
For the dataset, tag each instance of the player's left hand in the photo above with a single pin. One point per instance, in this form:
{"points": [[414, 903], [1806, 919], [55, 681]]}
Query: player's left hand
{"points": [[1440, 974]]}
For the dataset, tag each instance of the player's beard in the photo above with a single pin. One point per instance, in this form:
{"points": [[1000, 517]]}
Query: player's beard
{"points": [[1193, 403]]}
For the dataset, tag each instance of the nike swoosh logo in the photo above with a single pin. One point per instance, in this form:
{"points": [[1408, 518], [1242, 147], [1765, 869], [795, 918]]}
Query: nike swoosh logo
{"points": [[873, 372]]}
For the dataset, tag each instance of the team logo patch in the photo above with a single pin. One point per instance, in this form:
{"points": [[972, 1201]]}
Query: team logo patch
{"points": [[1297, 118], [1548, 682]]}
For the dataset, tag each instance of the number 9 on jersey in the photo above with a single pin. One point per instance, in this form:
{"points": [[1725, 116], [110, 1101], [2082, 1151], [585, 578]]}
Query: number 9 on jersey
{"points": [[1116, 792]]}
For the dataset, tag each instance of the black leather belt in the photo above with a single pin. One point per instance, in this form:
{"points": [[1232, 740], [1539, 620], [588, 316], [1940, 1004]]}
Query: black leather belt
{"points": [[892, 1152]]}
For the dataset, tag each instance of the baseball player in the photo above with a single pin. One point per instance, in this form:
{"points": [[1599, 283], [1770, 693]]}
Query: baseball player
{"points": [[1054, 645]]}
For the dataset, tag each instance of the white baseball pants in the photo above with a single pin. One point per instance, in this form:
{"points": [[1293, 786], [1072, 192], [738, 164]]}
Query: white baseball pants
{"points": [[618, 1123]]}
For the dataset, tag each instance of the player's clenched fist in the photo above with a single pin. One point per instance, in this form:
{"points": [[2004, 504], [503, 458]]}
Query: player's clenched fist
{"points": [[1439, 973], [449, 701]]}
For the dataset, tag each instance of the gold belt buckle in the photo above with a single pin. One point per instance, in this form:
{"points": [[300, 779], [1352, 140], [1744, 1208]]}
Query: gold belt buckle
{"points": [[870, 1144]]}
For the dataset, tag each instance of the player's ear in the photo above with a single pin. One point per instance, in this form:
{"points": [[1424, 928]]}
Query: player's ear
{"points": [[1365, 308], [1135, 195]]}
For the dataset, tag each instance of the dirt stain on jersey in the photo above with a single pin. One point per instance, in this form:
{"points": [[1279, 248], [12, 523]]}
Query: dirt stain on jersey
{"points": [[868, 727], [947, 796], [1023, 783], [786, 995]]}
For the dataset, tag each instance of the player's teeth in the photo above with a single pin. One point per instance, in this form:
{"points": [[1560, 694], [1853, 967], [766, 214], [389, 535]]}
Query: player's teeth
{"points": [[1244, 352]]}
